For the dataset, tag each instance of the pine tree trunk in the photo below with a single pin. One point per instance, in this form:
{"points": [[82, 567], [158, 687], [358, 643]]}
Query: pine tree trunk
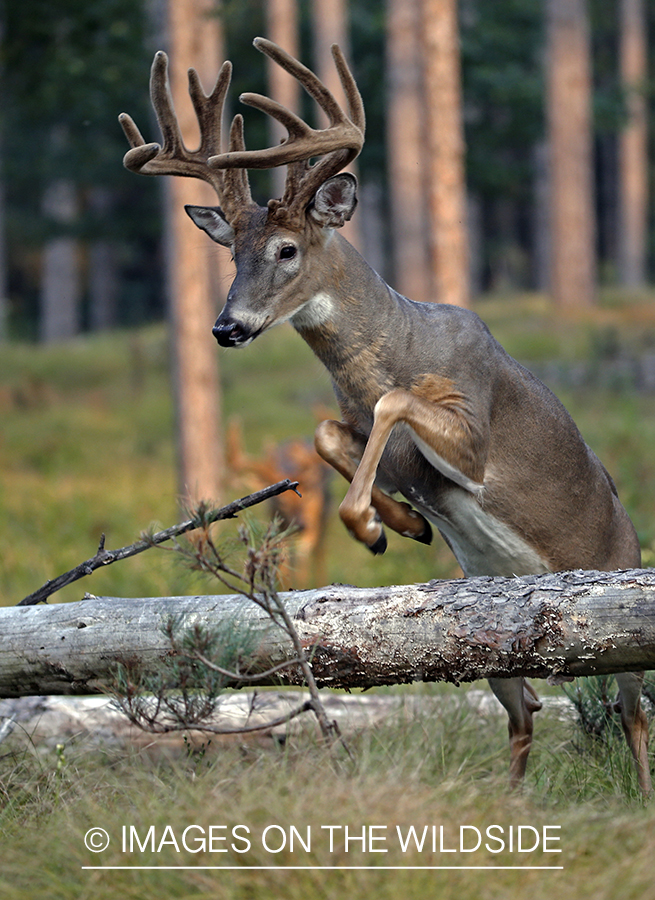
{"points": [[447, 185], [633, 147], [406, 148], [61, 287], [193, 279], [282, 27], [573, 227], [330, 18]]}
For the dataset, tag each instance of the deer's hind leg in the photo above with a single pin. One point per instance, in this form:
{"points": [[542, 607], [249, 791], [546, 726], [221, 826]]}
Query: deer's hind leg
{"points": [[520, 702], [635, 724], [343, 447]]}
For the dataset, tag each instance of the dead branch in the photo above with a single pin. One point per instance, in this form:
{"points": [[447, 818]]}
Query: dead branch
{"points": [[153, 723], [206, 516]]}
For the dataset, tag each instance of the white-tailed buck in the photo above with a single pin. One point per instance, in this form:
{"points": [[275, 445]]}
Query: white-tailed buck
{"points": [[433, 408]]}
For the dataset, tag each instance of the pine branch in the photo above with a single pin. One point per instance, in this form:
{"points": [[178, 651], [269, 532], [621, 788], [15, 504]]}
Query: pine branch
{"points": [[205, 516]]}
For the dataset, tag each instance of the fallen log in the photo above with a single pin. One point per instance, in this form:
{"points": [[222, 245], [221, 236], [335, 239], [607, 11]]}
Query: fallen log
{"points": [[555, 625]]}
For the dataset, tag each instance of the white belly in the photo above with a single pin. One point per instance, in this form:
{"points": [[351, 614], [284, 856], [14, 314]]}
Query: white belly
{"points": [[482, 544]]}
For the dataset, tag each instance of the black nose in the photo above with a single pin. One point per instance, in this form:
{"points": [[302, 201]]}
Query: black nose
{"points": [[229, 334]]}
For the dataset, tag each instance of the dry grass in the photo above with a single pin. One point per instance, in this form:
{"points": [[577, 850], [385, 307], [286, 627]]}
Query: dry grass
{"points": [[441, 772]]}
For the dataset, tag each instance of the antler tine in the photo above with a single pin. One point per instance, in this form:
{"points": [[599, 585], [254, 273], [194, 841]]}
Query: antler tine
{"points": [[209, 109], [172, 157], [162, 102], [236, 187], [310, 82], [303, 142], [354, 98], [141, 153]]}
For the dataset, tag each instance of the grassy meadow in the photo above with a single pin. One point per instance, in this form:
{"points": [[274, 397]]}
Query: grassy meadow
{"points": [[87, 447]]}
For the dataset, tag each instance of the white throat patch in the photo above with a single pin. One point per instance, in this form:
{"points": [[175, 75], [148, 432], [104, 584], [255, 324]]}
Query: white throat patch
{"points": [[316, 311]]}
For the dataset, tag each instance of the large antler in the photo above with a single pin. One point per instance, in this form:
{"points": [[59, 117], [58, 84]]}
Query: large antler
{"points": [[337, 145], [173, 157]]}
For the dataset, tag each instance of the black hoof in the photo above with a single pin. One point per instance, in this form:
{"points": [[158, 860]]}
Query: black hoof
{"points": [[380, 545], [426, 536]]}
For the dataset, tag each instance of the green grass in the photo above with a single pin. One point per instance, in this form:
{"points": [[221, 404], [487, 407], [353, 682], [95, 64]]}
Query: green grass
{"points": [[86, 444], [86, 447]]}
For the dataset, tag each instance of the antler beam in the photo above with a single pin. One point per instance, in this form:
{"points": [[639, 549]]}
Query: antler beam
{"points": [[173, 157], [337, 145], [303, 141]]}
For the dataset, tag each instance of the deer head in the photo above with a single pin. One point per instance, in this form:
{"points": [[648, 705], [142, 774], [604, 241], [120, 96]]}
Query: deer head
{"points": [[276, 248]]}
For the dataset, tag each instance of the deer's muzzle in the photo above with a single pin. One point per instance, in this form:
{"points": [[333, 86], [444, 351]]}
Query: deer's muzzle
{"points": [[229, 333]]}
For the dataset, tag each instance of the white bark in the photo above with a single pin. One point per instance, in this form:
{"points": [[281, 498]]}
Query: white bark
{"points": [[103, 274], [575, 623]]}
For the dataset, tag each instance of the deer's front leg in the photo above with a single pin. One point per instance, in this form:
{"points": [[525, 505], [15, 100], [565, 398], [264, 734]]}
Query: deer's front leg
{"points": [[342, 447], [440, 430]]}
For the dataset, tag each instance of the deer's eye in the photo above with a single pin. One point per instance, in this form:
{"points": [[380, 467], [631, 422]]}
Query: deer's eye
{"points": [[288, 251]]}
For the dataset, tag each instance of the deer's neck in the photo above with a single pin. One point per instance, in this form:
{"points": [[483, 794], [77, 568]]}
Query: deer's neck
{"points": [[352, 324]]}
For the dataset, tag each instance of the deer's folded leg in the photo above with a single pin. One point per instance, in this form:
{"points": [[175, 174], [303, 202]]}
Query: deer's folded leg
{"points": [[440, 432], [342, 447]]}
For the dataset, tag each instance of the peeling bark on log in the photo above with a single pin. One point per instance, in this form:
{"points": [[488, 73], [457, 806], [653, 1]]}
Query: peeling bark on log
{"points": [[567, 624]]}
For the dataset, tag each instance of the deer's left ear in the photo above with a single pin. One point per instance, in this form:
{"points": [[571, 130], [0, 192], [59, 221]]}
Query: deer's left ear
{"points": [[212, 220], [335, 200]]}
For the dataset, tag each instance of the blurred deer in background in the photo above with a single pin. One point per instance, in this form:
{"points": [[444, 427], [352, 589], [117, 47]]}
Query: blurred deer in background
{"points": [[433, 408], [298, 461]]}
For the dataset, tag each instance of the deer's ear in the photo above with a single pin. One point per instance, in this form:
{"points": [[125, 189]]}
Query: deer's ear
{"points": [[212, 220], [335, 200]]}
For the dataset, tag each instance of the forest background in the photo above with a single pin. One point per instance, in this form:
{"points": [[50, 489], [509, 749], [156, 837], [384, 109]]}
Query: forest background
{"points": [[90, 413]]}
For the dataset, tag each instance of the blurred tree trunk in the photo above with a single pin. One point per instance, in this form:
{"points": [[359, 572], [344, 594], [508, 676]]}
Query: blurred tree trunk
{"points": [[406, 145], [3, 246], [633, 146], [445, 143], [330, 19], [61, 286], [103, 285], [541, 252], [572, 220], [4, 303], [195, 39], [103, 268], [282, 27]]}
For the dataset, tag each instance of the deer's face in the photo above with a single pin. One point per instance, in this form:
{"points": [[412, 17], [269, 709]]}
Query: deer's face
{"points": [[281, 270]]}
